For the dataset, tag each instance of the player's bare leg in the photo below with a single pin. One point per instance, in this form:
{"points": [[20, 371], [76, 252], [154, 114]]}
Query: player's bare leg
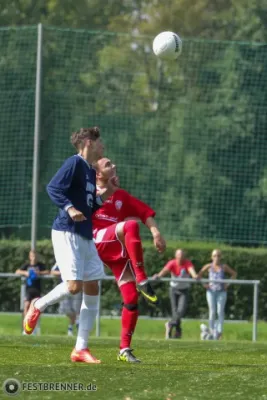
{"points": [[128, 233], [88, 312], [129, 316]]}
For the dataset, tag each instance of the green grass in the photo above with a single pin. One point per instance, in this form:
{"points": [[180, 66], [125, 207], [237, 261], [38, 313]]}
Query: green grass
{"points": [[146, 329], [170, 370]]}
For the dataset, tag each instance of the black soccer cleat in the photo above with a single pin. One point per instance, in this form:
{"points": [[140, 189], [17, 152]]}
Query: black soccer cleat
{"points": [[148, 293], [128, 356]]}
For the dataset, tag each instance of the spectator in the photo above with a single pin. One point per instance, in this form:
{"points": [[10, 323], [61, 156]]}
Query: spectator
{"points": [[216, 292], [32, 270], [70, 306], [179, 267]]}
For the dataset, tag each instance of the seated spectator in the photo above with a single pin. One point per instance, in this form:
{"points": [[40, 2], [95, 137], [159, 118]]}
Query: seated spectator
{"points": [[216, 292], [70, 306], [32, 270], [179, 267]]}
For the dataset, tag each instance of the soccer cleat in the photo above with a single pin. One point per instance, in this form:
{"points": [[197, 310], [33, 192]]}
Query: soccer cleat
{"points": [[31, 318], [70, 332], [128, 356], [83, 356], [147, 292]]}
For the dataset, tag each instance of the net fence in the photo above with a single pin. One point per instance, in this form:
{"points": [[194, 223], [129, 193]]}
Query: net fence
{"points": [[188, 137]]}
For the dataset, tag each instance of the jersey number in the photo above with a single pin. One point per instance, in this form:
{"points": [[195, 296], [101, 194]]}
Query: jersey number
{"points": [[90, 200]]}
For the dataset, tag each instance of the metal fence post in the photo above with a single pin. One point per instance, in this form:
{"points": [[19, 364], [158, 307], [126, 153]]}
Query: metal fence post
{"points": [[98, 316], [22, 294], [37, 120], [255, 310]]}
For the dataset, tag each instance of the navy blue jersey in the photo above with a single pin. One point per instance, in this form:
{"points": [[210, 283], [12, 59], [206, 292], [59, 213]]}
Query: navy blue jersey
{"points": [[74, 185]]}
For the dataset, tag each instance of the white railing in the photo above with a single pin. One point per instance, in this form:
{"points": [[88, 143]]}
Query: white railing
{"points": [[254, 283]]}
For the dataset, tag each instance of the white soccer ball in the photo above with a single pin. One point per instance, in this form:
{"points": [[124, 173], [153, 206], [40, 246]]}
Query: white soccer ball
{"points": [[167, 45]]}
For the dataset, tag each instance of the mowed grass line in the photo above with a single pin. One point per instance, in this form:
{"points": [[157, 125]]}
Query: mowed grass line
{"points": [[146, 329], [170, 369]]}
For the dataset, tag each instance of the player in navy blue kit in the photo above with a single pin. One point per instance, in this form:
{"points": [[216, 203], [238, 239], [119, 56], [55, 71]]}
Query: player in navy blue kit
{"points": [[73, 191]]}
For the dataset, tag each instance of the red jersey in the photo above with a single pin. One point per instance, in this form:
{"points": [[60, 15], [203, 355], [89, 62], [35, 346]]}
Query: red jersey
{"points": [[119, 207], [179, 270]]}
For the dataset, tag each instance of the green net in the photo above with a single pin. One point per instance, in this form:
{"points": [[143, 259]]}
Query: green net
{"points": [[17, 93], [188, 137]]}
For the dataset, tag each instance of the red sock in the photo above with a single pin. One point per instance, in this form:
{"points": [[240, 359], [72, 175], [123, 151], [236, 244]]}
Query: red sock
{"points": [[129, 313], [134, 248]]}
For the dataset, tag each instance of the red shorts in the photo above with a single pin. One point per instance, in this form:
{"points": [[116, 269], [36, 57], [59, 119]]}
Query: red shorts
{"points": [[111, 250]]}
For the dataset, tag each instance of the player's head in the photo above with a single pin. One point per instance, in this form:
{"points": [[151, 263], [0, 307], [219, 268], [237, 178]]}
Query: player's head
{"points": [[105, 169], [216, 255], [33, 256], [179, 255], [89, 139]]}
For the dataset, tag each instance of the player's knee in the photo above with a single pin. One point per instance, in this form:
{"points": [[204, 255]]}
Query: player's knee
{"points": [[91, 288], [130, 306], [74, 286], [131, 226]]}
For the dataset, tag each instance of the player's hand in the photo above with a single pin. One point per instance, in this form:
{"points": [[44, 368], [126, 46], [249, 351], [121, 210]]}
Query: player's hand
{"points": [[159, 242], [155, 276], [76, 215]]}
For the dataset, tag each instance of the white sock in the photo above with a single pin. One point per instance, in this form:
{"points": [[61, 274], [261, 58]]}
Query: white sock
{"points": [[88, 313], [123, 350], [57, 294]]}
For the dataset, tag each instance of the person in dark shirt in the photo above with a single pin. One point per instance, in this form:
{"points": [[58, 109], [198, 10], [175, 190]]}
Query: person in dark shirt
{"points": [[32, 270], [73, 191]]}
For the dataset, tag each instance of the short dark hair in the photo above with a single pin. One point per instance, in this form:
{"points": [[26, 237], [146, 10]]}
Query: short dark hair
{"points": [[77, 138]]}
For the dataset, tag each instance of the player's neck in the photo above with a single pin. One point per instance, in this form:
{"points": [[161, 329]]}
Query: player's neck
{"points": [[101, 184], [89, 157]]}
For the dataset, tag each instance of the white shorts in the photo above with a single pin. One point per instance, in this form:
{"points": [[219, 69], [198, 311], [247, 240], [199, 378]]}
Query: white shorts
{"points": [[76, 257]]}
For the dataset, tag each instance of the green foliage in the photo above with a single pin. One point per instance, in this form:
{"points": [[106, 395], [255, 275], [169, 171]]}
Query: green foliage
{"points": [[249, 263]]}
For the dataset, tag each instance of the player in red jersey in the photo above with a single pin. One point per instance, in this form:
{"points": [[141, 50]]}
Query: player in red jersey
{"points": [[117, 238]]}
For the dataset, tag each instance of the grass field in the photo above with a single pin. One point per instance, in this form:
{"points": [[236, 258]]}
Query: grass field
{"points": [[185, 369]]}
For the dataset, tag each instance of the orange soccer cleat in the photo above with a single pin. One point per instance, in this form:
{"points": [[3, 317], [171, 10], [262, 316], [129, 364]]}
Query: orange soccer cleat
{"points": [[31, 318], [83, 356]]}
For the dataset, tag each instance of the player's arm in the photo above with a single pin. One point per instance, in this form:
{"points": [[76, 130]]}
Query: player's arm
{"points": [[22, 271], [165, 271], [138, 209], [159, 241], [58, 187]]}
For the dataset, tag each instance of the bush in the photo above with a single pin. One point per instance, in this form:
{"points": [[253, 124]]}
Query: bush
{"points": [[249, 263]]}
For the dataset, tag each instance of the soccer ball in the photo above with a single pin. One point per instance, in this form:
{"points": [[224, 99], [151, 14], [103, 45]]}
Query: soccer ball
{"points": [[167, 45], [205, 333]]}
